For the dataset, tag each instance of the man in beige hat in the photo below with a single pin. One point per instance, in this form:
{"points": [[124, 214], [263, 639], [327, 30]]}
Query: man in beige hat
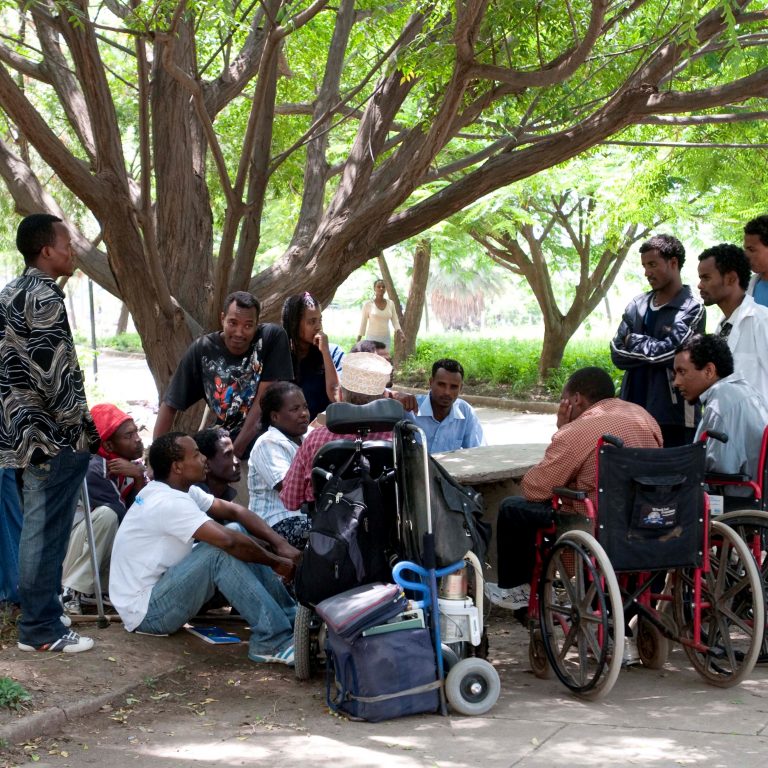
{"points": [[362, 380]]}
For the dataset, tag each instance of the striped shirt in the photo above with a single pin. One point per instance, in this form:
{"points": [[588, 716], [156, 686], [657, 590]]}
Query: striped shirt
{"points": [[42, 399]]}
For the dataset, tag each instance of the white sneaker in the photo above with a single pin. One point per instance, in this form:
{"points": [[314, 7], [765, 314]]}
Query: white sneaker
{"points": [[631, 655], [70, 642], [511, 599]]}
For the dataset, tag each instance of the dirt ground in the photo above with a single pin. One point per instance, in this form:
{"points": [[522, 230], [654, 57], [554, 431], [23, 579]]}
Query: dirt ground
{"points": [[130, 673]]}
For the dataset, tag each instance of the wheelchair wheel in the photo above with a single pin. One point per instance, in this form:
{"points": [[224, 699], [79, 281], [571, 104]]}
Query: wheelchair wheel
{"points": [[652, 646], [472, 687], [305, 642], [733, 612], [537, 656], [581, 615], [752, 526]]}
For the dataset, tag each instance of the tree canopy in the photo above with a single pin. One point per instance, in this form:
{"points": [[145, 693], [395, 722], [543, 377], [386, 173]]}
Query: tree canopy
{"points": [[163, 128]]}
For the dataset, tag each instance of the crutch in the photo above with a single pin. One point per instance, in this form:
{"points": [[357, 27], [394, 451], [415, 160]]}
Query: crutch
{"points": [[103, 621]]}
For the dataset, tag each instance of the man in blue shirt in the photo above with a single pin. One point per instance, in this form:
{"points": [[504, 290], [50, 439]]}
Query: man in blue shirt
{"points": [[756, 247], [704, 371], [448, 421]]}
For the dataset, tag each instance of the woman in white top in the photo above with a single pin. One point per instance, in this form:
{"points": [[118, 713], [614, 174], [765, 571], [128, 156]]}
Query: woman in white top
{"points": [[284, 419], [378, 313]]}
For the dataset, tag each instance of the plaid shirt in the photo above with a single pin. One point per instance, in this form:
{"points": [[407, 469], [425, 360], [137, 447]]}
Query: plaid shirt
{"points": [[297, 484], [571, 458]]}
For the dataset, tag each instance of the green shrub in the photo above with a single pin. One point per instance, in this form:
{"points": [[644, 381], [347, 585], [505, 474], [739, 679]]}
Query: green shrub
{"points": [[123, 342], [509, 364], [13, 695]]}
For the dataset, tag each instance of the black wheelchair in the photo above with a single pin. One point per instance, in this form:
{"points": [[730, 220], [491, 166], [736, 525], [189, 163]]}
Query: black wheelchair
{"points": [[648, 550]]}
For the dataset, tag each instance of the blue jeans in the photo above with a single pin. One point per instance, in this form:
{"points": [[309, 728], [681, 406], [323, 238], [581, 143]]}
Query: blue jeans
{"points": [[49, 499], [255, 590], [10, 531]]}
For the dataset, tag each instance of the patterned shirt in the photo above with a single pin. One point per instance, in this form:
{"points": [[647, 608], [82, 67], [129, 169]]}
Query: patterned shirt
{"points": [[571, 458], [297, 484], [42, 399]]}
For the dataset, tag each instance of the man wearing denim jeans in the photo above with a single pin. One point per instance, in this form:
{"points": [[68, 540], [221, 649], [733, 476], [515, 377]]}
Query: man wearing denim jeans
{"points": [[159, 576], [43, 418]]}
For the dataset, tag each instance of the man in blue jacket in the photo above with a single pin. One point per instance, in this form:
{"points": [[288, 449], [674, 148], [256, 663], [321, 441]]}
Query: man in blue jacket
{"points": [[654, 325]]}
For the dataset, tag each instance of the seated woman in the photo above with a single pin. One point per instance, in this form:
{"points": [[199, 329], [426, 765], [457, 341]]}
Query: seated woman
{"points": [[316, 362], [284, 421]]}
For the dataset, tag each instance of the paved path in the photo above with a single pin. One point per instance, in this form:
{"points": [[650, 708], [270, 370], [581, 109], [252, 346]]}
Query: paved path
{"points": [[127, 380]]}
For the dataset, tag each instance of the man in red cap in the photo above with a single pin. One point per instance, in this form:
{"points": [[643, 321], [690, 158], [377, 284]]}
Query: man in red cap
{"points": [[115, 475]]}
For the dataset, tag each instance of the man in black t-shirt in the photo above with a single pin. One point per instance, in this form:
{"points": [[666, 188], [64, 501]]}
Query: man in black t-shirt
{"points": [[230, 369]]}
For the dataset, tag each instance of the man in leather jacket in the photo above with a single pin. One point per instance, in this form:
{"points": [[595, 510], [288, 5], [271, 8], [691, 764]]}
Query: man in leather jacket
{"points": [[654, 325]]}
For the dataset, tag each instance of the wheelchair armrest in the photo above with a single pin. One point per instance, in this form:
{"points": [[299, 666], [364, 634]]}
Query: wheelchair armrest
{"points": [[570, 493], [716, 478]]}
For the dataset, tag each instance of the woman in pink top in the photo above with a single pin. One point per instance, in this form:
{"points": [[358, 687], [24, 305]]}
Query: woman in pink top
{"points": [[378, 313]]}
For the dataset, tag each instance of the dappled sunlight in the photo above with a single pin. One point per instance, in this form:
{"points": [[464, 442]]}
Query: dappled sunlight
{"points": [[625, 749]]}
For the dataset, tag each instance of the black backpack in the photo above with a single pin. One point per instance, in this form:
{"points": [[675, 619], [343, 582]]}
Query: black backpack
{"points": [[350, 542]]}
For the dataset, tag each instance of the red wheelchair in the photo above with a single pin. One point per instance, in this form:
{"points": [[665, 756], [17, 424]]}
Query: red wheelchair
{"points": [[750, 521], [648, 550]]}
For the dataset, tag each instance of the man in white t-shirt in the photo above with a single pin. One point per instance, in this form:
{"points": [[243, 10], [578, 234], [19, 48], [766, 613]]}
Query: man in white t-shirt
{"points": [[160, 577]]}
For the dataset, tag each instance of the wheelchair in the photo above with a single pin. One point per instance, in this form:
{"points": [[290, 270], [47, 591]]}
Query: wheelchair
{"points": [[430, 548], [648, 550], [751, 520], [344, 457]]}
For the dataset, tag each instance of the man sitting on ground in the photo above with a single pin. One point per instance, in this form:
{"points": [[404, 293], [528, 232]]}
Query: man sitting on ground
{"points": [[448, 421], [223, 467], [115, 475], [704, 372], [160, 578], [362, 380], [588, 410]]}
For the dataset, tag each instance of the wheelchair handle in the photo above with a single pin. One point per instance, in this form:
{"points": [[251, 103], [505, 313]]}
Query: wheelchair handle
{"points": [[721, 436], [569, 493], [613, 440], [321, 474]]}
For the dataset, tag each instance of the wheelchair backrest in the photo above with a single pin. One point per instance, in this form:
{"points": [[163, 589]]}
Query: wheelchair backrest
{"points": [[376, 416], [650, 506], [334, 456]]}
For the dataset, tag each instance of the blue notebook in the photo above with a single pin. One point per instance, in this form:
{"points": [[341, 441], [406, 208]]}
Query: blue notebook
{"points": [[215, 635]]}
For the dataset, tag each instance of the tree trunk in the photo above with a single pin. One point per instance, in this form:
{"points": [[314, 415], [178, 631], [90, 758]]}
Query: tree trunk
{"points": [[416, 300], [556, 339], [122, 321]]}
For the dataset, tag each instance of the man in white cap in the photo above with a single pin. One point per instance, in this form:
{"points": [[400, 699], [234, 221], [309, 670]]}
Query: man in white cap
{"points": [[362, 380]]}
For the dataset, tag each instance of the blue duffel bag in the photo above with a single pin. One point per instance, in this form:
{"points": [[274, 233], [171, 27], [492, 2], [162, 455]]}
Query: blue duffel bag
{"points": [[383, 676]]}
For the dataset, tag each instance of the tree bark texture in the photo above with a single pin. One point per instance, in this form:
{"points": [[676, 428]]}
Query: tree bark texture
{"points": [[178, 202]]}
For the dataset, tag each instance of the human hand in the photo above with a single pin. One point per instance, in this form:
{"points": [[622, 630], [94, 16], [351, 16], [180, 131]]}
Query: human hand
{"points": [[406, 399], [400, 334], [285, 569], [564, 413], [125, 467], [320, 340], [287, 551]]}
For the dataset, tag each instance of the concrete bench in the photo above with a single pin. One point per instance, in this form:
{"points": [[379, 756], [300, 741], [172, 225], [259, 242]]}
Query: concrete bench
{"points": [[495, 471]]}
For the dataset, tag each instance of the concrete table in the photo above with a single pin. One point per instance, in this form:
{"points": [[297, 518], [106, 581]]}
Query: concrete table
{"points": [[495, 471]]}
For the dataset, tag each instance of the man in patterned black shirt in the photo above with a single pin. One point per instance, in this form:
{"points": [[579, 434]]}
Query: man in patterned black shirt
{"points": [[44, 419]]}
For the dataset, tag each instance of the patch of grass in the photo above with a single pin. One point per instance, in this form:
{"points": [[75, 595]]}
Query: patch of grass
{"points": [[13, 695], [511, 365], [124, 342]]}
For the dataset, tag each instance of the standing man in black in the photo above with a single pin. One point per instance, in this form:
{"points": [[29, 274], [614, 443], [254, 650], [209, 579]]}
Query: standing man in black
{"points": [[654, 325], [44, 422]]}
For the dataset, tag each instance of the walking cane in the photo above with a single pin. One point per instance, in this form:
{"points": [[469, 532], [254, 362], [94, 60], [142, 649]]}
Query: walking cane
{"points": [[103, 621]]}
